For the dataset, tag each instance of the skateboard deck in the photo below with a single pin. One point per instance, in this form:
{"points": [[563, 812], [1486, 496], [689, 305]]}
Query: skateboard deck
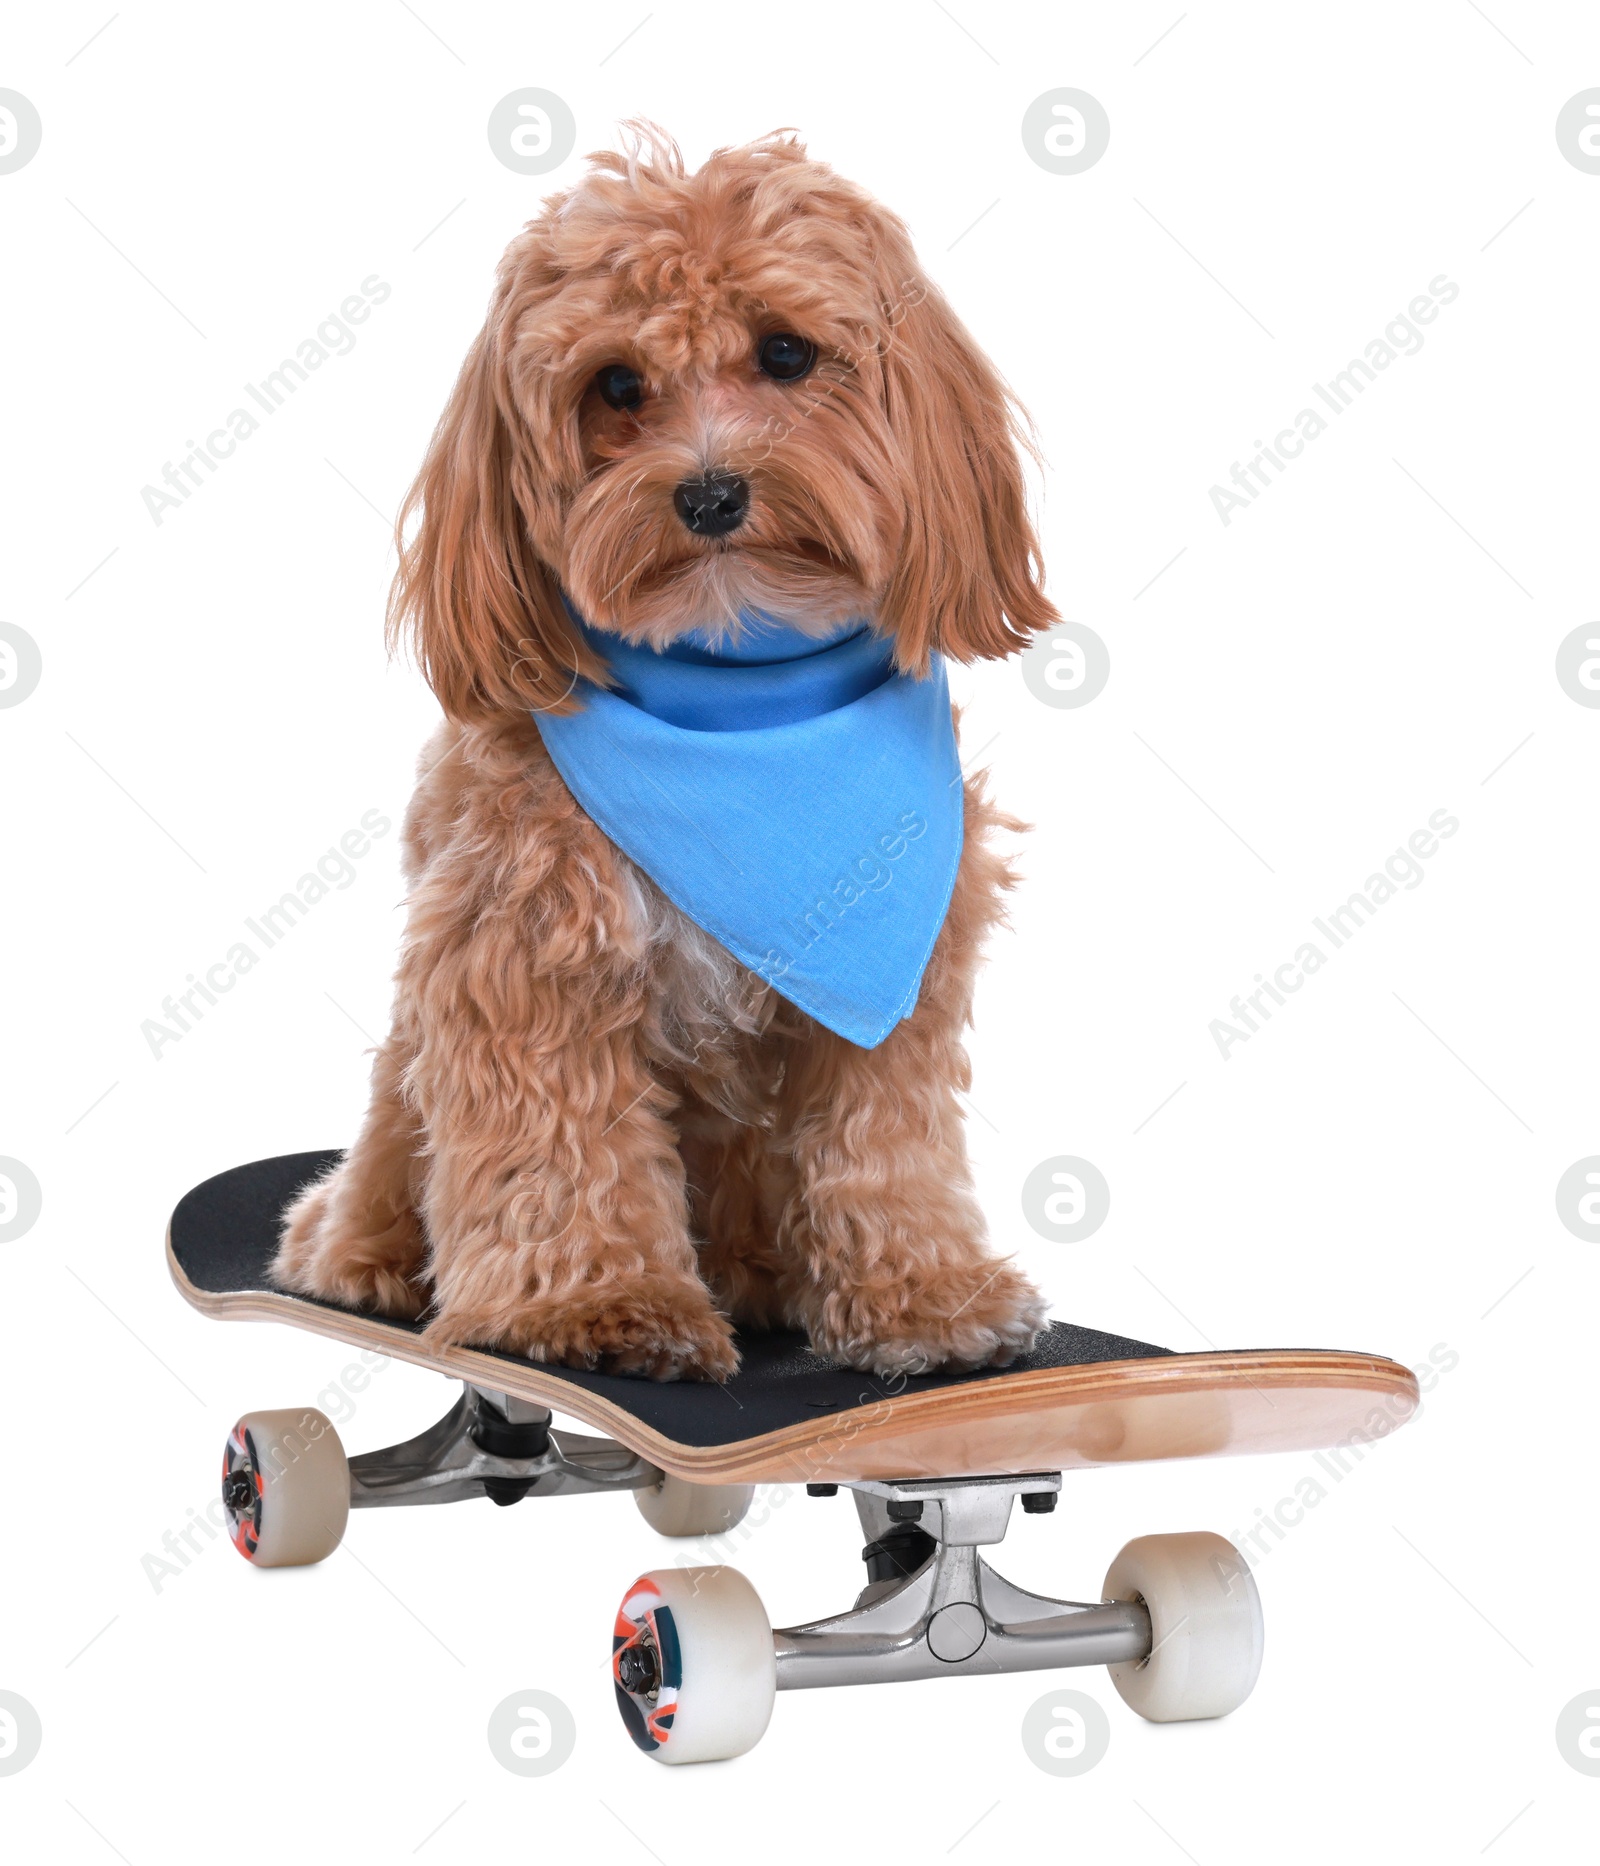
{"points": [[1082, 1397]]}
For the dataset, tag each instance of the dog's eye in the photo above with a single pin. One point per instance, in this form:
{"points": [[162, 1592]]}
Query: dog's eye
{"points": [[786, 356], [620, 386]]}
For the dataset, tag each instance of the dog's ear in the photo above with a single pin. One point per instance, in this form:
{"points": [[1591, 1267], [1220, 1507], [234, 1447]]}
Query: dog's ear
{"points": [[968, 581], [480, 609]]}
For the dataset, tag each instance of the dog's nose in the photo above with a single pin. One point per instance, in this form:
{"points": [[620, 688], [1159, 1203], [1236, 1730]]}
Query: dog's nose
{"points": [[714, 504]]}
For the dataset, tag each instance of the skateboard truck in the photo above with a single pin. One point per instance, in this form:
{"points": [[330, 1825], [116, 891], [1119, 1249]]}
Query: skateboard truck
{"points": [[494, 1445], [697, 1665], [288, 1488], [955, 1614]]}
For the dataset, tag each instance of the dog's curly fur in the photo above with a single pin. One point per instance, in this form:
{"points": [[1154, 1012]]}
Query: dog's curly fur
{"points": [[594, 1137]]}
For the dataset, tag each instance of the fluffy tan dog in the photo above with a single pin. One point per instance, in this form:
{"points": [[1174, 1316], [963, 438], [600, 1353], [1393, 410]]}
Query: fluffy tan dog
{"points": [[594, 1137]]}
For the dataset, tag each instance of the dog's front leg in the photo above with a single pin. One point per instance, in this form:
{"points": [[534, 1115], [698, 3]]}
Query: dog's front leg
{"points": [[555, 1200], [890, 1268], [888, 1265]]}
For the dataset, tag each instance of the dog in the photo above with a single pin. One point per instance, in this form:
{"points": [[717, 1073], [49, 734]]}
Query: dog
{"points": [[596, 1136]]}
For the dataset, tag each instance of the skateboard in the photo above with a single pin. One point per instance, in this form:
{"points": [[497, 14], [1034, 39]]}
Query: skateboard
{"points": [[934, 1462]]}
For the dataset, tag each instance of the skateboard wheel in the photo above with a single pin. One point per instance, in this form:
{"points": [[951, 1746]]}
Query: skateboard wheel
{"points": [[693, 1663], [285, 1487], [1205, 1626], [675, 1507]]}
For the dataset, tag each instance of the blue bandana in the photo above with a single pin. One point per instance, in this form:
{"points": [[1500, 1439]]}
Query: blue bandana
{"points": [[797, 798]]}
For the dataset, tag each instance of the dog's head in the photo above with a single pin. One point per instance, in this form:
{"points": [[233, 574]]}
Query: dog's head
{"points": [[697, 394]]}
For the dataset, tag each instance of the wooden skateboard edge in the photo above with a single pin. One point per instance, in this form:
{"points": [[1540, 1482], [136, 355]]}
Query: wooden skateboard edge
{"points": [[1086, 1415]]}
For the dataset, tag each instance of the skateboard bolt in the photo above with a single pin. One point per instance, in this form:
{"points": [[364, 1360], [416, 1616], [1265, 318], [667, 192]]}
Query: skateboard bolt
{"points": [[1038, 1502], [904, 1510], [238, 1493], [636, 1670], [822, 1490]]}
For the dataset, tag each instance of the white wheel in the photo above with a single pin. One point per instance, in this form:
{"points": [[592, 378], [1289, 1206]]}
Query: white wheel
{"points": [[1205, 1626], [692, 1660], [285, 1487], [675, 1507]]}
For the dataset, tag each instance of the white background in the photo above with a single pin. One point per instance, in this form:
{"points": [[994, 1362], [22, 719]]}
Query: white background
{"points": [[1369, 642]]}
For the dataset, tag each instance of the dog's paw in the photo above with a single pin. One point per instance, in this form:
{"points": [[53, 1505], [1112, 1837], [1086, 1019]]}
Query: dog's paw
{"points": [[660, 1331], [302, 1227], [323, 1255], [985, 1315]]}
